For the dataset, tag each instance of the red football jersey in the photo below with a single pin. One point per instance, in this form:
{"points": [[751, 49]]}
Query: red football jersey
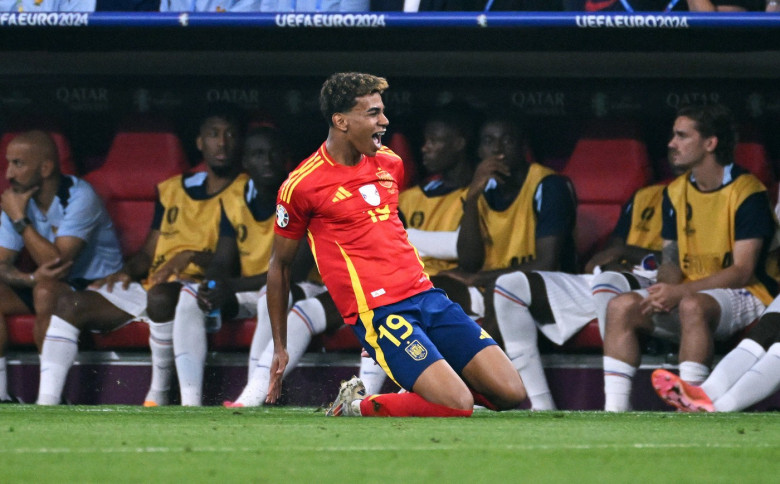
{"points": [[358, 241]]}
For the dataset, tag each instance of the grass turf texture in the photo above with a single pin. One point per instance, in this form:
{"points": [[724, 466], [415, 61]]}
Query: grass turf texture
{"points": [[285, 444]]}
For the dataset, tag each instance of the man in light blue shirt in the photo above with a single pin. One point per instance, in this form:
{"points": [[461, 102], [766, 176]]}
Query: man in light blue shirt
{"points": [[62, 224]]}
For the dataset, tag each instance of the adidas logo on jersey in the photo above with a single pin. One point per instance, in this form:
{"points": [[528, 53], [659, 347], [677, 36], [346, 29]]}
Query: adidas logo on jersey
{"points": [[341, 194]]}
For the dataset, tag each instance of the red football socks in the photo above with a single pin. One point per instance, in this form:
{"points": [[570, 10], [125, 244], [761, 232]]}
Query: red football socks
{"points": [[406, 404], [481, 399]]}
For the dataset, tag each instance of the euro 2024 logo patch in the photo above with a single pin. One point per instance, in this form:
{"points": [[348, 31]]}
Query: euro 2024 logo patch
{"points": [[282, 217], [416, 350], [370, 194]]}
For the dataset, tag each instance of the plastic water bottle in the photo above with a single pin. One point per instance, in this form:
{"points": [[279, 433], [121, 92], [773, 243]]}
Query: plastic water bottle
{"points": [[214, 317]]}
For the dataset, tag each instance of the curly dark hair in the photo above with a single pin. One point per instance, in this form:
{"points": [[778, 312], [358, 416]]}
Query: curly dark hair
{"points": [[340, 91], [230, 112]]}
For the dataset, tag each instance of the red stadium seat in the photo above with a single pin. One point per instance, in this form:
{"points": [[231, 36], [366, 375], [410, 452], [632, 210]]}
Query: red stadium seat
{"points": [[595, 222], [20, 329], [400, 146], [753, 156], [132, 335], [132, 219], [235, 335], [144, 152], [609, 163], [588, 338]]}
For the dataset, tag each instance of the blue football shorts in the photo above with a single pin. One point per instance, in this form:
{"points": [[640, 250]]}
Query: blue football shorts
{"points": [[407, 337]]}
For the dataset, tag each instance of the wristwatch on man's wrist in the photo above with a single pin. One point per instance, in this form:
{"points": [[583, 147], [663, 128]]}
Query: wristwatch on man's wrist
{"points": [[20, 225]]}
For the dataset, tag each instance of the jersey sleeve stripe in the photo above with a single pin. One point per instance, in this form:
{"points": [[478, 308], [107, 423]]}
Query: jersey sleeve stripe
{"points": [[296, 174], [313, 247], [388, 152], [291, 186]]}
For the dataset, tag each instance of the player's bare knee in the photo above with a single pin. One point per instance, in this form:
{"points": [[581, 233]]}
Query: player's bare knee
{"points": [[514, 394], [161, 303], [45, 289], [622, 312], [695, 314], [67, 308], [462, 401]]}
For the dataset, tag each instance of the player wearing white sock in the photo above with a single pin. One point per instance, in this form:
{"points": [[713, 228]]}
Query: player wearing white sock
{"points": [[306, 319], [182, 238], [518, 216], [238, 268], [746, 375], [4, 396], [732, 367], [518, 329], [761, 381], [617, 384], [161, 347], [560, 304], [61, 223], [59, 352], [371, 374], [717, 225]]}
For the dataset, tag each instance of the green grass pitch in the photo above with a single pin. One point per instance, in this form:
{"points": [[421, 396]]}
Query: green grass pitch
{"points": [[287, 444]]}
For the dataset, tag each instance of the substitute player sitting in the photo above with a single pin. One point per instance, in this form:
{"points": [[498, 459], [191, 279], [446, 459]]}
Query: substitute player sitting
{"points": [[517, 215], [717, 225], [239, 266], [560, 304], [178, 247]]}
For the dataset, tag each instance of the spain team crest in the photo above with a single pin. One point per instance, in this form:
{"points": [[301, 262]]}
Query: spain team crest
{"points": [[417, 351], [385, 178]]}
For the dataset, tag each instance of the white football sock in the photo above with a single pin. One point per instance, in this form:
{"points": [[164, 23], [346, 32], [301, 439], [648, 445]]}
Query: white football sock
{"points": [[305, 319], [693, 372], [4, 380], [60, 347], [477, 302], [605, 287], [372, 375], [262, 335], [190, 347], [512, 297], [161, 345], [618, 377], [761, 381], [731, 368]]}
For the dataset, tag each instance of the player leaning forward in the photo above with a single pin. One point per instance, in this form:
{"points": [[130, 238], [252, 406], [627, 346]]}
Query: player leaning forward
{"points": [[345, 196]]}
